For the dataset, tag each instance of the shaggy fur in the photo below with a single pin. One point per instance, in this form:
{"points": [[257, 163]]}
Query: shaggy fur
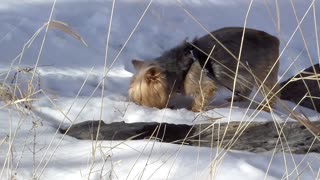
{"points": [[149, 86], [177, 71]]}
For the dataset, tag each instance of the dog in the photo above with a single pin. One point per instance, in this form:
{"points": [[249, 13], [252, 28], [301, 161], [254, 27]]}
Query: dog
{"points": [[244, 56]]}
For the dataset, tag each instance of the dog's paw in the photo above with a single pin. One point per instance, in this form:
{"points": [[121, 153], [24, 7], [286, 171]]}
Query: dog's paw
{"points": [[196, 109]]}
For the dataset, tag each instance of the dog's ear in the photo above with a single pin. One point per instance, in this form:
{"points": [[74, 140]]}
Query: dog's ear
{"points": [[153, 74], [137, 64]]}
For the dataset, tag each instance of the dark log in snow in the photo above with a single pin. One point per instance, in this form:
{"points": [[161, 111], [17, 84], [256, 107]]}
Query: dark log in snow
{"points": [[256, 137]]}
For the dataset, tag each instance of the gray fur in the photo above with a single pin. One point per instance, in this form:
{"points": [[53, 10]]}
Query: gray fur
{"points": [[259, 52]]}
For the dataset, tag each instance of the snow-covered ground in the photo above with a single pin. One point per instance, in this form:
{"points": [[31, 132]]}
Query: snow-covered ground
{"points": [[30, 146]]}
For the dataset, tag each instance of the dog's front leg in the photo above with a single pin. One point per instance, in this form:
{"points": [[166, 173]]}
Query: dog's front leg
{"points": [[200, 87], [202, 96]]}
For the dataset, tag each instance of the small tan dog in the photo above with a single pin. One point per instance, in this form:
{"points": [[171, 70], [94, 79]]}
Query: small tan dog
{"points": [[188, 69]]}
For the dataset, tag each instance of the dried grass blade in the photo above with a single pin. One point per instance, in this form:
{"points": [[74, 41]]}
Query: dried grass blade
{"points": [[65, 28]]}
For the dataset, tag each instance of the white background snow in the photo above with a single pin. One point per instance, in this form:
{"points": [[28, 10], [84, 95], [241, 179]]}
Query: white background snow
{"points": [[28, 151]]}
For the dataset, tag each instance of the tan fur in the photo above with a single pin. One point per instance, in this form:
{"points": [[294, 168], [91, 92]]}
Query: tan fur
{"points": [[154, 91], [149, 87], [199, 86]]}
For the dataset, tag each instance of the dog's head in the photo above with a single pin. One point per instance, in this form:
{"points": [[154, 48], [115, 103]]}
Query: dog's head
{"points": [[149, 87]]}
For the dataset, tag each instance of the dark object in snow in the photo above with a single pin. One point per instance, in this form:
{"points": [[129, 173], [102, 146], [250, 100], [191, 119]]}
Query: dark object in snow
{"points": [[123, 131], [256, 137], [297, 88]]}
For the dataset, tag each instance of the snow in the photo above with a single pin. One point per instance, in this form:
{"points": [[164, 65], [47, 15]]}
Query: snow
{"points": [[31, 147]]}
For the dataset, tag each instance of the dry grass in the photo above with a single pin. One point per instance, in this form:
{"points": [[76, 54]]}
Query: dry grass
{"points": [[22, 97]]}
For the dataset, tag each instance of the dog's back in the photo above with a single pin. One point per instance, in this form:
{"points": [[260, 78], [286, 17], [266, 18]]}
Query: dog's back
{"points": [[259, 52]]}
